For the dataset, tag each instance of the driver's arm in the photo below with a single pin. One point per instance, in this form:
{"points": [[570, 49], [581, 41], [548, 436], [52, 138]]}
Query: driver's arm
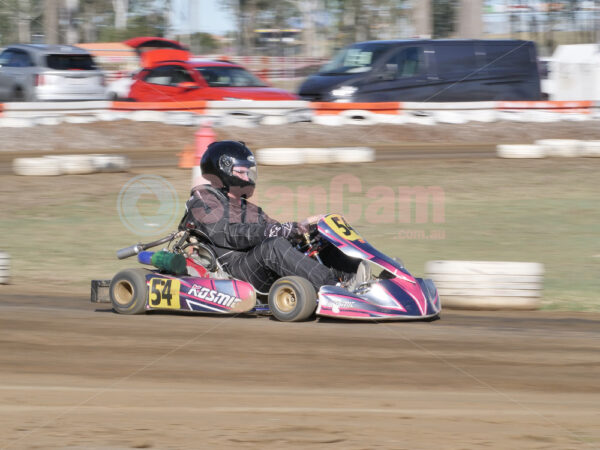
{"points": [[208, 214]]}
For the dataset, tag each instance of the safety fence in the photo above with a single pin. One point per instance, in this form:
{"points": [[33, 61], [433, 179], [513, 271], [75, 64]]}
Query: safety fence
{"points": [[254, 113]]}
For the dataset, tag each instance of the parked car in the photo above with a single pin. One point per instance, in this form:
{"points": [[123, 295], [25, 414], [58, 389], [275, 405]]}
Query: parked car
{"points": [[169, 74], [119, 88], [547, 84], [30, 72], [428, 70], [201, 80]]}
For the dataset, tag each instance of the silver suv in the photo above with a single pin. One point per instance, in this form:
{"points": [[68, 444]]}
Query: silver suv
{"points": [[33, 72]]}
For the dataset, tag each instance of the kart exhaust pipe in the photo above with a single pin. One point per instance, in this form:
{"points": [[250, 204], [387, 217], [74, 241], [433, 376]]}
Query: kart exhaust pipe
{"points": [[129, 251], [135, 249]]}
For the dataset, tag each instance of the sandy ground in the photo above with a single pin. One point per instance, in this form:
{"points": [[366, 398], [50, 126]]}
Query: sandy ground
{"points": [[75, 375]]}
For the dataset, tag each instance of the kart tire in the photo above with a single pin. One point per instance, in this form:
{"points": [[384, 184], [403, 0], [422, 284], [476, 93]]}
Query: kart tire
{"points": [[36, 167], [292, 299], [129, 291], [520, 151], [4, 268]]}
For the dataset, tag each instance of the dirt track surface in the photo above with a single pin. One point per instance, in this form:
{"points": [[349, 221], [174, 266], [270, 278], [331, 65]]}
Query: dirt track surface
{"points": [[76, 375], [126, 135]]}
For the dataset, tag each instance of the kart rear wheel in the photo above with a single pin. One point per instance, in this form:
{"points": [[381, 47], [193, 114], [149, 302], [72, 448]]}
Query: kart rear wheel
{"points": [[292, 299], [129, 291]]}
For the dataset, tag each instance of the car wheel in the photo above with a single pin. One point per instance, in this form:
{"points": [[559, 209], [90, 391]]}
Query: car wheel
{"points": [[129, 291], [292, 299]]}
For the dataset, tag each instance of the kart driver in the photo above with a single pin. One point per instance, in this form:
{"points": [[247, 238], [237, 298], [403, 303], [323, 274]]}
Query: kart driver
{"points": [[249, 245]]}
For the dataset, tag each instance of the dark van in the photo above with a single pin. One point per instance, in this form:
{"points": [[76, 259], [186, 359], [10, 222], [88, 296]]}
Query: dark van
{"points": [[428, 71]]}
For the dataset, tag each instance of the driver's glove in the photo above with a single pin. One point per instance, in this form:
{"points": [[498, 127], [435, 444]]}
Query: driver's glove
{"points": [[292, 231]]}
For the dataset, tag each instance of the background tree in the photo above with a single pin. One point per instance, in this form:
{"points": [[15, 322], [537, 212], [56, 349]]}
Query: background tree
{"points": [[444, 17]]}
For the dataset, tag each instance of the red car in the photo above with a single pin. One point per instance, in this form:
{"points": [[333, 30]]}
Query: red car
{"points": [[169, 75]]}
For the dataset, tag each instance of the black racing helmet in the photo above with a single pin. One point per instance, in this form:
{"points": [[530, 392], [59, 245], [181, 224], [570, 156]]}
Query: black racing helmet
{"points": [[227, 164]]}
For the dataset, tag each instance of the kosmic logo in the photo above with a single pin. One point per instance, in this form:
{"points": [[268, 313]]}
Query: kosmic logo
{"points": [[213, 296]]}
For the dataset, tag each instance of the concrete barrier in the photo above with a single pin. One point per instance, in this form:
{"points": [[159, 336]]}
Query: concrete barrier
{"points": [[260, 108], [299, 115], [109, 116], [451, 106], [84, 118], [197, 106], [481, 115], [358, 117], [242, 119], [487, 284], [564, 105], [420, 118], [280, 112], [144, 115], [48, 120], [16, 122], [331, 108], [274, 120], [182, 118], [455, 117], [391, 119], [332, 120]]}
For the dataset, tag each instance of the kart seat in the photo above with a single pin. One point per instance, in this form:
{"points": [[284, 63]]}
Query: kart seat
{"points": [[206, 256]]}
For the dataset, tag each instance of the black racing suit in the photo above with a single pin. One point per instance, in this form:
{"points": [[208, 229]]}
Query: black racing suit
{"points": [[249, 244]]}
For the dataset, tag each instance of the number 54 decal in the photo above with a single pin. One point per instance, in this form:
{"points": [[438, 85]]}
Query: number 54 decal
{"points": [[341, 227], [164, 293]]}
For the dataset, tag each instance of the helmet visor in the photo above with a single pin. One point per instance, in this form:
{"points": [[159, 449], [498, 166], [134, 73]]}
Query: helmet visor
{"points": [[246, 172]]}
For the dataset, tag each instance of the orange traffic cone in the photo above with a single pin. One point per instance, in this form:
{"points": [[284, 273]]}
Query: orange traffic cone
{"points": [[187, 158], [204, 137]]}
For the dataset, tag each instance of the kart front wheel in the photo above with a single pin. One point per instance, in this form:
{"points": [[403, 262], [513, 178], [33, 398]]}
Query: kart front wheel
{"points": [[129, 291], [292, 299]]}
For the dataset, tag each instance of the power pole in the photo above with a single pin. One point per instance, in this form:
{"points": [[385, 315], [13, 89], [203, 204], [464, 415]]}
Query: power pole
{"points": [[422, 18], [72, 33], [24, 23], [470, 19], [51, 21], [308, 10], [120, 8]]}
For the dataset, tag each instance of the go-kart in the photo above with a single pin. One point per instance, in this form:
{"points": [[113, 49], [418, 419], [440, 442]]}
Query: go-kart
{"points": [[188, 277]]}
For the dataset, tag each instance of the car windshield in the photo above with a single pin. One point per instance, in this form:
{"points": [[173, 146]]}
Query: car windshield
{"points": [[354, 59], [70, 62], [223, 76]]}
